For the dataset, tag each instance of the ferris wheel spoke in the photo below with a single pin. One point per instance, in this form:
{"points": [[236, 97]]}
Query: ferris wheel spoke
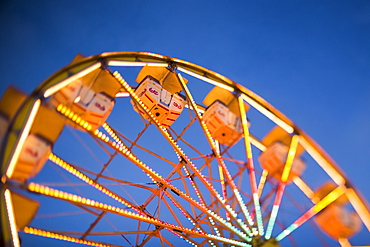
{"points": [[176, 168], [223, 171], [164, 132], [105, 166], [180, 208], [101, 215], [54, 235], [75, 199], [282, 184], [157, 178], [331, 197], [262, 182], [212, 215], [115, 135], [196, 222], [250, 165], [69, 168], [178, 137], [182, 156]]}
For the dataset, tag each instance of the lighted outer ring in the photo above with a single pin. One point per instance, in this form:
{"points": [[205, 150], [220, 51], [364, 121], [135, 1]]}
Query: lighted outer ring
{"points": [[152, 57], [19, 122]]}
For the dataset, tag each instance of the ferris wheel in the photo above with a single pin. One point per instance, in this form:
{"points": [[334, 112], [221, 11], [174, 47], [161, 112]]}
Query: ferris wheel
{"points": [[141, 149]]}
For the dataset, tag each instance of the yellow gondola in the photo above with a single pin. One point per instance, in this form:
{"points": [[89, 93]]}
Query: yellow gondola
{"points": [[274, 157], [11, 100], [25, 209], [336, 220], [44, 132], [222, 116]]}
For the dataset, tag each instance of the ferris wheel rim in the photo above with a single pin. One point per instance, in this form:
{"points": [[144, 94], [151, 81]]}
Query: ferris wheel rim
{"points": [[104, 59]]}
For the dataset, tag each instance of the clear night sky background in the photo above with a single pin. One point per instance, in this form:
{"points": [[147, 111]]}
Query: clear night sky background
{"points": [[309, 59]]}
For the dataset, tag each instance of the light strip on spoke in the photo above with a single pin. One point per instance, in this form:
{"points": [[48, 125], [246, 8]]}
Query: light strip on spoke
{"points": [[289, 161], [284, 178], [61, 163], [331, 197], [52, 90], [47, 191], [223, 186], [250, 165], [262, 182], [153, 175], [53, 235], [212, 143], [157, 178], [222, 165]]}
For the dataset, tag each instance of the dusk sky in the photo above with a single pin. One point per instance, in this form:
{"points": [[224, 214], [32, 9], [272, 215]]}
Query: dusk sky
{"points": [[309, 59]]}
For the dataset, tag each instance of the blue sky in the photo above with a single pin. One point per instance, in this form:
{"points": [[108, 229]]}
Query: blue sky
{"points": [[309, 59]]}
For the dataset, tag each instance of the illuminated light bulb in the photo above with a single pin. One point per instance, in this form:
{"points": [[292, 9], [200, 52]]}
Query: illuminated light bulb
{"points": [[70, 115], [59, 107], [69, 197], [63, 110], [67, 112], [31, 186]]}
